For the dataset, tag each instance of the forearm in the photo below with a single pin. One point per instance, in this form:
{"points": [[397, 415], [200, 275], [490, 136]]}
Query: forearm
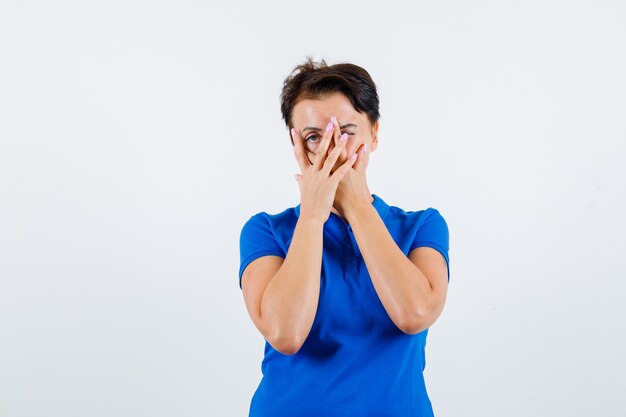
{"points": [[290, 300], [402, 288]]}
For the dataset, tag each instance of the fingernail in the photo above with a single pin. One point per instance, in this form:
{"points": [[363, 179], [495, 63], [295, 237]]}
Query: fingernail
{"points": [[344, 137], [334, 119], [330, 126], [364, 147], [353, 156], [293, 132]]}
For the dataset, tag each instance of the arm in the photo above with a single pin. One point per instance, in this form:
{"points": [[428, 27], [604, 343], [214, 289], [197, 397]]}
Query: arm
{"points": [[412, 299], [289, 303]]}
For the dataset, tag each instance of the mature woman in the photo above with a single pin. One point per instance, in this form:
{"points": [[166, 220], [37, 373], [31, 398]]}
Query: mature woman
{"points": [[343, 286]]}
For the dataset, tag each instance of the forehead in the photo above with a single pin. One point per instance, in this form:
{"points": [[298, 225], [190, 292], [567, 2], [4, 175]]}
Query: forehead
{"points": [[319, 111]]}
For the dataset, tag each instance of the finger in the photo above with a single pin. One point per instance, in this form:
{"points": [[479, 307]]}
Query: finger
{"points": [[343, 169], [320, 157], [337, 136], [310, 156], [334, 155], [298, 149], [336, 130], [363, 159]]}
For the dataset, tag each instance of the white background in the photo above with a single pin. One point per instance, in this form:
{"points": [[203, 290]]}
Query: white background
{"points": [[136, 138]]}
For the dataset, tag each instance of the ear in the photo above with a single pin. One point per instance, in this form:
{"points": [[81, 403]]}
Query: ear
{"points": [[374, 144]]}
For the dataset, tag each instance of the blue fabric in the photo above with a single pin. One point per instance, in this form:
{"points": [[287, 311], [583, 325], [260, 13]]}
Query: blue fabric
{"points": [[355, 361]]}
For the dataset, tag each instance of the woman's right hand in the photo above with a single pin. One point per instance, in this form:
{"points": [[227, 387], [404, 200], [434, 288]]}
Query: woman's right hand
{"points": [[317, 186]]}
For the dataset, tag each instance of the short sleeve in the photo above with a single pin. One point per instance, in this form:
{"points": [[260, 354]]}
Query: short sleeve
{"points": [[256, 240], [434, 233]]}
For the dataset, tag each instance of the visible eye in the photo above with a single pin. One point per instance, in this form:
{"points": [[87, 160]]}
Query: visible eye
{"points": [[308, 139], [316, 136]]}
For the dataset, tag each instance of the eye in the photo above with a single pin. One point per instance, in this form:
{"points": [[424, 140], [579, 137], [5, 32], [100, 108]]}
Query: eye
{"points": [[309, 137], [315, 136]]}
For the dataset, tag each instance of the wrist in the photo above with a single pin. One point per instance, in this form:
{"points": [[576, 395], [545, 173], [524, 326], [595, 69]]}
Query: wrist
{"points": [[310, 220], [358, 211]]}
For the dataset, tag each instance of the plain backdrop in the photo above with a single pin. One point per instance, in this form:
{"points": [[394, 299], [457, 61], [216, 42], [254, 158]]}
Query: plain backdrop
{"points": [[136, 138]]}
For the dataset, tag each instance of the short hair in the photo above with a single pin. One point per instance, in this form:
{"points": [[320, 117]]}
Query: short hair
{"points": [[312, 80]]}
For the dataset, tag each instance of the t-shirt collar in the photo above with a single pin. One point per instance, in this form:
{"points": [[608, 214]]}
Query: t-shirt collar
{"points": [[379, 204]]}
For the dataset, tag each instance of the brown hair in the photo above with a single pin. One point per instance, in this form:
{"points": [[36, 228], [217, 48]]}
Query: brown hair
{"points": [[315, 79]]}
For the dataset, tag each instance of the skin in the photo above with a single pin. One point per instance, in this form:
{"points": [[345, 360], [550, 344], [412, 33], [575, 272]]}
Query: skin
{"points": [[317, 113]]}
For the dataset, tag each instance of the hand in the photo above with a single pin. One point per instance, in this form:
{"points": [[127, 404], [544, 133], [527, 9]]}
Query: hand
{"points": [[317, 185], [352, 190]]}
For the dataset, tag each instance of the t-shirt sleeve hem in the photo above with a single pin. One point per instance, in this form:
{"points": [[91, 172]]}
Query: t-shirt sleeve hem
{"points": [[255, 255], [437, 247]]}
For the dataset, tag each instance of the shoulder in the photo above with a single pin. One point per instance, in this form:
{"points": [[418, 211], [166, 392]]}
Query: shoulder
{"points": [[288, 215], [412, 227], [427, 215], [414, 218], [278, 223]]}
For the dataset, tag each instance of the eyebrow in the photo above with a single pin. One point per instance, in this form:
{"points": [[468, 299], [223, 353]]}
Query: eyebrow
{"points": [[319, 130]]}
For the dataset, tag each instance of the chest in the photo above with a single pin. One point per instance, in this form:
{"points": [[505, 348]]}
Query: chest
{"points": [[348, 304]]}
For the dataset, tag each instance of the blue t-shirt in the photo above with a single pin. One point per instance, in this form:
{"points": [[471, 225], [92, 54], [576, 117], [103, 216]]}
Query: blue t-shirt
{"points": [[355, 361]]}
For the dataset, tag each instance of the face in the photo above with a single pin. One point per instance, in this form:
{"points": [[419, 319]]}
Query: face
{"points": [[310, 117]]}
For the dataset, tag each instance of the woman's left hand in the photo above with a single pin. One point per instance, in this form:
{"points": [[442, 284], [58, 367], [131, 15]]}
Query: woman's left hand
{"points": [[352, 191]]}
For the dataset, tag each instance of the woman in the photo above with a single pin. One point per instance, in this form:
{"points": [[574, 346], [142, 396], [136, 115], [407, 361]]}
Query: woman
{"points": [[343, 286]]}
